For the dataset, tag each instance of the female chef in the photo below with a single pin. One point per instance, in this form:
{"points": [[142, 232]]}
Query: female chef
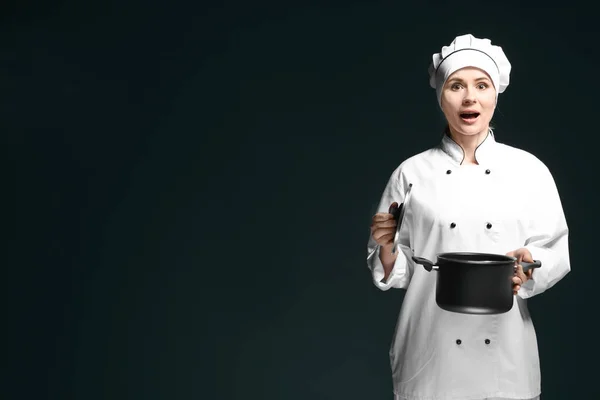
{"points": [[470, 193]]}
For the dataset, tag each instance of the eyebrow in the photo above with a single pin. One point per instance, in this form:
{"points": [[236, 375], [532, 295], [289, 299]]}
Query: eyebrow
{"points": [[481, 78]]}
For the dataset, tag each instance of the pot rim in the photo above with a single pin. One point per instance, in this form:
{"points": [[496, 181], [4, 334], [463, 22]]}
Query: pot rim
{"points": [[488, 258]]}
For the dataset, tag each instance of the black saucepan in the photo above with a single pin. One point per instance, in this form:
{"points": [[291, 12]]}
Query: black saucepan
{"points": [[474, 283]]}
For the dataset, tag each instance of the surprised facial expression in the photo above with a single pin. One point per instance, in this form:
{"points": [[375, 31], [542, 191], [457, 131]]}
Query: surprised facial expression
{"points": [[468, 101]]}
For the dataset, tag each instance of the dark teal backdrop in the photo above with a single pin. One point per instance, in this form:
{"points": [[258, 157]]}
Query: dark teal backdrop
{"points": [[194, 185]]}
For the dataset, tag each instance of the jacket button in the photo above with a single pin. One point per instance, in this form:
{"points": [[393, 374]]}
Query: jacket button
{"points": [[453, 225], [489, 226], [458, 341], [487, 341], [487, 171], [448, 172]]}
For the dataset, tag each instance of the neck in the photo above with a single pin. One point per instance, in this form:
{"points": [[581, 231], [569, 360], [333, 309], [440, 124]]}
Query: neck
{"points": [[469, 144]]}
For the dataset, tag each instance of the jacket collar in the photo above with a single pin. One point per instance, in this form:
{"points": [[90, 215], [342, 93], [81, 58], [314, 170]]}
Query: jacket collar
{"points": [[484, 153]]}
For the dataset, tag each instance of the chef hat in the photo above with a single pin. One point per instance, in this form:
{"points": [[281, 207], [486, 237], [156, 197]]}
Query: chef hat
{"points": [[469, 51]]}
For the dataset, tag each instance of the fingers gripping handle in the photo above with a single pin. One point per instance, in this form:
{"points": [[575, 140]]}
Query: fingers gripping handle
{"points": [[527, 266]]}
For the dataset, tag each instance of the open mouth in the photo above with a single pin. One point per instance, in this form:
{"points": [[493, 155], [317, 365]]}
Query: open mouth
{"points": [[469, 116]]}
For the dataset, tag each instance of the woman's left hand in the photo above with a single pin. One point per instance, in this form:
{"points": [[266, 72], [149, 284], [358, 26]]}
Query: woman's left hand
{"points": [[520, 277]]}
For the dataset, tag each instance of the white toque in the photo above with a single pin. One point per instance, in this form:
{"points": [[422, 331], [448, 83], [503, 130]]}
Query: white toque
{"points": [[469, 51]]}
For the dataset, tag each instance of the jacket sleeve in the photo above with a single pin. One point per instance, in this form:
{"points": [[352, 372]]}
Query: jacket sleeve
{"points": [[547, 234], [400, 276]]}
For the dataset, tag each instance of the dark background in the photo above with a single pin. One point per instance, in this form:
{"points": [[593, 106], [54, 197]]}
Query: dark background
{"points": [[194, 184]]}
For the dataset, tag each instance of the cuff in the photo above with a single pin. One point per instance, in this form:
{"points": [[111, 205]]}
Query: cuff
{"points": [[398, 278]]}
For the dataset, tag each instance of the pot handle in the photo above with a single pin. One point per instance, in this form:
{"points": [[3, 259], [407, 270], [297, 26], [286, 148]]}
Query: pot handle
{"points": [[527, 266], [428, 265]]}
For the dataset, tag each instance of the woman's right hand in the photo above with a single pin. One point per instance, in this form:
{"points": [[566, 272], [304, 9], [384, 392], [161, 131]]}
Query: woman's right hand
{"points": [[383, 226]]}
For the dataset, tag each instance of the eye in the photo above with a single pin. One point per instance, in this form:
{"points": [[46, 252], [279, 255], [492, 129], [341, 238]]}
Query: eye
{"points": [[482, 85], [455, 86]]}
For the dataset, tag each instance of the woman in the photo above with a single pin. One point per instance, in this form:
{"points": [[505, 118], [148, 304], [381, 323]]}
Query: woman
{"points": [[469, 193]]}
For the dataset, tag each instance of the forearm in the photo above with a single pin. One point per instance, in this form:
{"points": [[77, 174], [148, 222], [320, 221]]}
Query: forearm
{"points": [[387, 260]]}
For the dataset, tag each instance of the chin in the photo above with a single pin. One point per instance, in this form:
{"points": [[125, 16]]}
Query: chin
{"points": [[471, 130]]}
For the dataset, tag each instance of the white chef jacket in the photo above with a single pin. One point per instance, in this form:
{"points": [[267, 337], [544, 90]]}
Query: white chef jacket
{"points": [[508, 201]]}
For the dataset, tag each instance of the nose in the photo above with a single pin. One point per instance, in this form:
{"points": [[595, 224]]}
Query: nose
{"points": [[469, 97]]}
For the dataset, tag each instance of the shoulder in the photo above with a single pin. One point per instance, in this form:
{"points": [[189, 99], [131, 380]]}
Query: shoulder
{"points": [[418, 166], [417, 161], [523, 160]]}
